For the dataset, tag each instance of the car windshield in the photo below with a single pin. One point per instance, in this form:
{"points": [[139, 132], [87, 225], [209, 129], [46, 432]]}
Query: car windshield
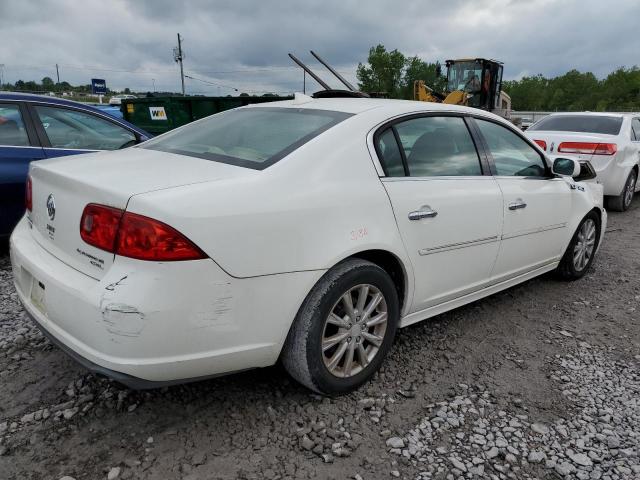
{"points": [[248, 137], [607, 125]]}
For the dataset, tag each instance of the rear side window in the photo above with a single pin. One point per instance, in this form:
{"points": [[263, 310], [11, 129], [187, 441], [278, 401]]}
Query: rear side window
{"points": [[438, 146], [248, 137], [512, 155], [74, 130], [12, 130], [390, 155], [604, 124]]}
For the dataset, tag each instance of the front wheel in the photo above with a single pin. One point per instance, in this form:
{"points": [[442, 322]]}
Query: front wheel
{"points": [[344, 328], [581, 250], [622, 202]]}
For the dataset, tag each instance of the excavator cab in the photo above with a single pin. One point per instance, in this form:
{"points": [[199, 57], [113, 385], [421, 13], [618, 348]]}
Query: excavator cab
{"points": [[476, 82]]}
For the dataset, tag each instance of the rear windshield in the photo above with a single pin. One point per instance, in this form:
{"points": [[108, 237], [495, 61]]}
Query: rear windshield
{"points": [[248, 137], [580, 123]]}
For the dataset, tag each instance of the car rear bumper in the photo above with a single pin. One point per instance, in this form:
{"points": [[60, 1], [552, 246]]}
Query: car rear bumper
{"points": [[148, 322]]}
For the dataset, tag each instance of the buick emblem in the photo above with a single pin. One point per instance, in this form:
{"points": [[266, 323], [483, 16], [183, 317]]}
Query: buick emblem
{"points": [[51, 207], [552, 145]]}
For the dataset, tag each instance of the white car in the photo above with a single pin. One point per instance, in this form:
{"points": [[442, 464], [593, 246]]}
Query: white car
{"points": [[610, 141], [305, 231], [117, 100]]}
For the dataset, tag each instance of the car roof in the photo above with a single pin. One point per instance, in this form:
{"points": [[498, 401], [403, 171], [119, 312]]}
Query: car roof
{"points": [[589, 114], [360, 105], [29, 97]]}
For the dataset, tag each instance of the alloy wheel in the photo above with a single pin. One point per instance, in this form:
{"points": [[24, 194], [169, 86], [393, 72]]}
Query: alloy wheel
{"points": [[354, 330], [629, 189], [585, 245]]}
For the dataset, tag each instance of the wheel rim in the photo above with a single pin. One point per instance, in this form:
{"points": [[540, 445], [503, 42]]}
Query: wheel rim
{"points": [[630, 190], [583, 250], [354, 330]]}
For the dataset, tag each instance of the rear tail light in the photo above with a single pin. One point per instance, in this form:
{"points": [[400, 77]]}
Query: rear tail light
{"points": [[28, 195], [588, 148], [99, 226], [542, 144], [135, 236]]}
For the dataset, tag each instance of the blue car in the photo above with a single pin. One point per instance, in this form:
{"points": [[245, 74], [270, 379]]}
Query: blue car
{"points": [[34, 127]]}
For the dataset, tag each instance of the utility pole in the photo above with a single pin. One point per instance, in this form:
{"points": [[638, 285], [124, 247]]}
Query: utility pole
{"points": [[178, 56], [57, 73]]}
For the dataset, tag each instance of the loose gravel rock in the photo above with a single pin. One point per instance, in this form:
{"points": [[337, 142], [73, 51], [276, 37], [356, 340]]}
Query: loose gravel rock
{"points": [[540, 381]]}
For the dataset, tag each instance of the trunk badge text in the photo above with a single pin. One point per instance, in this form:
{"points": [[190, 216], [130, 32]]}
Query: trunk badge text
{"points": [[51, 207]]}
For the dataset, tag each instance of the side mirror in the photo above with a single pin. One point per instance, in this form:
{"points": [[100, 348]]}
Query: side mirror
{"points": [[566, 167]]}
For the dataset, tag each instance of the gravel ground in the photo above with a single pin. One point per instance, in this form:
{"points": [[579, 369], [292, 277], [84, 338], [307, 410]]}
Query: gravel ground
{"points": [[540, 381]]}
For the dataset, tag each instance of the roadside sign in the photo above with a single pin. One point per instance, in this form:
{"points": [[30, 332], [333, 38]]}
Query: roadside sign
{"points": [[98, 86], [157, 113]]}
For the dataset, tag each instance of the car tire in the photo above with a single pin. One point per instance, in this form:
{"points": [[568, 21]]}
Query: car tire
{"points": [[581, 250], [308, 354], [622, 202]]}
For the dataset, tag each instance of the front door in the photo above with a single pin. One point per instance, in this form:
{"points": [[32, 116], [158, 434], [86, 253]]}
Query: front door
{"points": [[448, 210], [536, 205]]}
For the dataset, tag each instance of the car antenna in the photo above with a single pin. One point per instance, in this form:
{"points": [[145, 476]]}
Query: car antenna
{"points": [[338, 76], [308, 70]]}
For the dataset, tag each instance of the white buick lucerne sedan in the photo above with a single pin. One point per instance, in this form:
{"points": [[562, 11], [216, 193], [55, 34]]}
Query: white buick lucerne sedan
{"points": [[305, 231]]}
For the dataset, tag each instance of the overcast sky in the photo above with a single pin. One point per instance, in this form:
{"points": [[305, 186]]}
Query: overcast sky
{"points": [[244, 44]]}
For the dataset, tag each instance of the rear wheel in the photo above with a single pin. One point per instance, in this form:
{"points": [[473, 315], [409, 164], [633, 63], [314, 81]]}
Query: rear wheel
{"points": [[344, 328], [582, 248], [623, 201]]}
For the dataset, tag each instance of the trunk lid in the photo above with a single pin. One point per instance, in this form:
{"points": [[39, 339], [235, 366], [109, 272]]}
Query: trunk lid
{"points": [[62, 187], [554, 139]]}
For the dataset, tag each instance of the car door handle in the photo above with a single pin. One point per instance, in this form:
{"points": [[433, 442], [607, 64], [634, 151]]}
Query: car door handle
{"points": [[518, 204], [425, 212]]}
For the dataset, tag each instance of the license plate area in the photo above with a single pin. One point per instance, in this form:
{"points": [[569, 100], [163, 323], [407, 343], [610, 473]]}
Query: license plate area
{"points": [[38, 295]]}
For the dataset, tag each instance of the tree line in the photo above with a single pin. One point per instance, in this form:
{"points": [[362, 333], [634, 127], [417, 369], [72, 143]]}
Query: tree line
{"points": [[392, 73]]}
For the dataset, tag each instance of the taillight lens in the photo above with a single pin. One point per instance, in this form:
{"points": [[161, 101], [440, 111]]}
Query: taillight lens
{"points": [[135, 236], [147, 239], [28, 194], [542, 144], [99, 226], [588, 148]]}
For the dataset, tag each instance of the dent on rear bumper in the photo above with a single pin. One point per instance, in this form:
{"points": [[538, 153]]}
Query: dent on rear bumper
{"points": [[160, 322]]}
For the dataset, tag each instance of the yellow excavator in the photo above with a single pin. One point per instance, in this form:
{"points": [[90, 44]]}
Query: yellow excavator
{"points": [[473, 82]]}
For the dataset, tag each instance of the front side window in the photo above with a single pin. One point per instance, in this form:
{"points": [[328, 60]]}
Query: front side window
{"points": [[248, 137], [438, 146], [71, 129], [512, 155], [12, 130]]}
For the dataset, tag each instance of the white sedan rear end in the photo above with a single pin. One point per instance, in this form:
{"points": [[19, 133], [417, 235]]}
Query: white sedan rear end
{"points": [[610, 141], [304, 231]]}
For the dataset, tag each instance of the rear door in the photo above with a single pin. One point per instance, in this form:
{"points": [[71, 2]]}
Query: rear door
{"points": [[536, 204], [68, 131], [447, 205], [18, 147]]}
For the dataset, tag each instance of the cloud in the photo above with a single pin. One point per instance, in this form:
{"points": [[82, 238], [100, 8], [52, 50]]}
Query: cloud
{"points": [[245, 44]]}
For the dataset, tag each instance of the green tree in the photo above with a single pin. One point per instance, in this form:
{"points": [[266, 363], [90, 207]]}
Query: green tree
{"points": [[383, 73], [47, 83]]}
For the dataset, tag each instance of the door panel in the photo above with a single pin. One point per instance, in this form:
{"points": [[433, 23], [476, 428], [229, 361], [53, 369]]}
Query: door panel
{"points": [[453, 252], [536, 212], [536, 205], [14, 166]]}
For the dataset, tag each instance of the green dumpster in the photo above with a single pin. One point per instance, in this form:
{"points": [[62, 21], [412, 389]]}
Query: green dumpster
{"points": [[158, 115]]}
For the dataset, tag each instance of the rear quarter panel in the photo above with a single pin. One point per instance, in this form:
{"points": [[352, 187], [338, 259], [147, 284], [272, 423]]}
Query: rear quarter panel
{"points": [[319, 205]]}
